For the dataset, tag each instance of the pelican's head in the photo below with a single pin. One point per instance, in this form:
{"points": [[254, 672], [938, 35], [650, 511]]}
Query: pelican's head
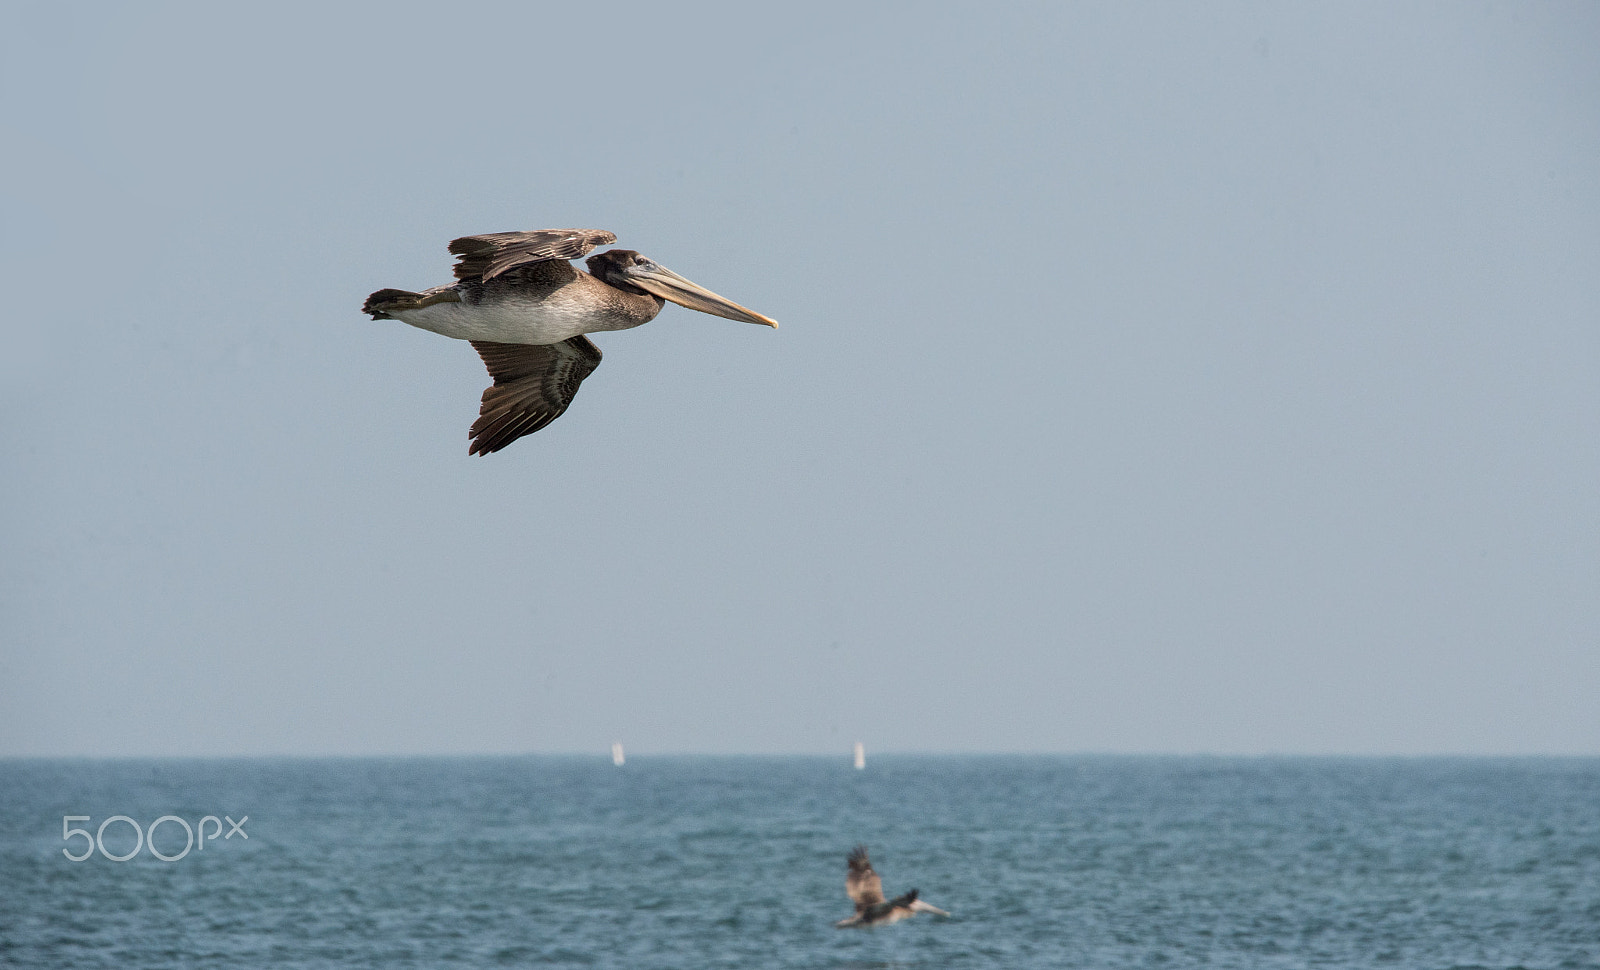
{"points": [[632, 273]]}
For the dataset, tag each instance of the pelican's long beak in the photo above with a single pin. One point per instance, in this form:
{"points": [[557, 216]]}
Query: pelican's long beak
{"points": [[663, 282]]}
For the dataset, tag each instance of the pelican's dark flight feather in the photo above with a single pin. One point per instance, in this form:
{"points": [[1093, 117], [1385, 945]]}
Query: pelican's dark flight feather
{"points": [[526, 309], [533, 384], [866, 891], [487, 256]]}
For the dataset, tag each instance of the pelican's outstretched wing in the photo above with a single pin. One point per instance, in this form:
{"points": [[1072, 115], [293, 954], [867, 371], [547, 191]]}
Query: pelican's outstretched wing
{"points": [[863, 885], [533, 384], [487, 256]]}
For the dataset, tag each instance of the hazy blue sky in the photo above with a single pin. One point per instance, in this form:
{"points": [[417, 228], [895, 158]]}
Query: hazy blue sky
{"points": [[1218, 378]]}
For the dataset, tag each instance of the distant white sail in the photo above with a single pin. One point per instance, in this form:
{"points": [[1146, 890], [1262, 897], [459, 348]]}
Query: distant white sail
{"points": [[861, 756], [616, 754]]}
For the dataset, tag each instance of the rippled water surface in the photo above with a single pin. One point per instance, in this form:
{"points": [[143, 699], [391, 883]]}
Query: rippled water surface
{"points": [[739, 862]]}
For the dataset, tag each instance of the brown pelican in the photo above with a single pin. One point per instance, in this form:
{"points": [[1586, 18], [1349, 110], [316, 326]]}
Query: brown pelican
{"points": [[866, 890], [525, 309]]}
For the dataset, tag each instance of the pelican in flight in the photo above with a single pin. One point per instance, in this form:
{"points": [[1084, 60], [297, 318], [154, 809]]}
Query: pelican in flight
{"points": [[866, 891], [526, 308]]}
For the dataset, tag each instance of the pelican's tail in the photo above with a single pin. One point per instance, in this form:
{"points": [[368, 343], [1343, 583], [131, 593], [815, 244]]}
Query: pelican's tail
{"points": [[383, 303], [380, 303]]}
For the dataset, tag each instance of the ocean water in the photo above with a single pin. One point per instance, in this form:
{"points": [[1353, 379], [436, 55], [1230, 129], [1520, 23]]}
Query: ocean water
{"points": [[1101, 862]]}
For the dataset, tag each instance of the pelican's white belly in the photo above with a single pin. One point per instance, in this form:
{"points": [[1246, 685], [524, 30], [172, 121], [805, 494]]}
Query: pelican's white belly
{"points": [[506, 322]]}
